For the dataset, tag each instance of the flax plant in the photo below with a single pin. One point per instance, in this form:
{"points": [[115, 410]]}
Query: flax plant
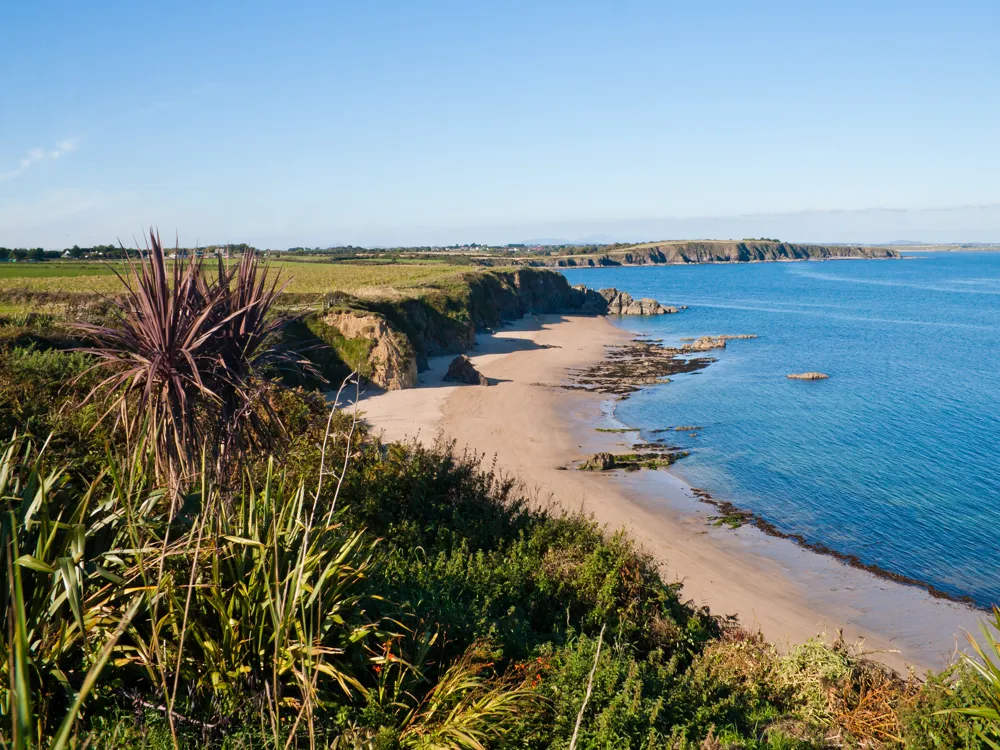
{"points": [[186, 357], [985, 664]]}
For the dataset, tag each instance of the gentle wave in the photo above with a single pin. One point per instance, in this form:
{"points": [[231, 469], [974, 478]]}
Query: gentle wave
{"points": [[881, 282], [860, 319]]}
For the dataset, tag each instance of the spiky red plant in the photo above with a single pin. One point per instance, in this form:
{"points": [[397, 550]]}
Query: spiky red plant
{"points": [[185, 355]]}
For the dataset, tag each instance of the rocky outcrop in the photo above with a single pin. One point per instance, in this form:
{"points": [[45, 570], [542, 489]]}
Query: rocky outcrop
{"points": [[707, 343], [391, 362], [653, 456], [628, 367], [599, 462], [461, 370], [807, 376], [622, 303]]}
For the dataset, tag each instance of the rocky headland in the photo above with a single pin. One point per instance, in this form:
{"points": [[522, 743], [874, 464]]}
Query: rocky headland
{"points": [[720, 251], [389, 340]]}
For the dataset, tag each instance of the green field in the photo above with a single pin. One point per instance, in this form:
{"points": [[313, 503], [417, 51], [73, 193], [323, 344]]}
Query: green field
{"points": [[58, 269], [363, 278]]}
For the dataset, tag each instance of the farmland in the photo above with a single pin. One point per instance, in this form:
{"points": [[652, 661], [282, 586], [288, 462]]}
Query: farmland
{"points": [[365, 279]]}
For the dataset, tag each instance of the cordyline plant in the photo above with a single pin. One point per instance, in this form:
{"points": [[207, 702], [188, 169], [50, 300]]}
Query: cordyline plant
{"points": [[187, 356]]}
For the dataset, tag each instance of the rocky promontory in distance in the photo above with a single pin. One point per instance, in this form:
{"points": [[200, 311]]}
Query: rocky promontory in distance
{"points": [[715, 251]]}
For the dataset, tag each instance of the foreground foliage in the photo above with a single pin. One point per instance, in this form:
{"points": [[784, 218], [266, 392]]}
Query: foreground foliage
{"points": [[357, 595], [419, 603]]}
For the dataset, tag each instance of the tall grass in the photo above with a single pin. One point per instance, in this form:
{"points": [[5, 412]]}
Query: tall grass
{"points": [[257, 609], [64, 609], [264, 601]]}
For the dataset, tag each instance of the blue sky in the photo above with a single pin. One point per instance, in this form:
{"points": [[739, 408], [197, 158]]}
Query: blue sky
{"points": [[380, 122]]}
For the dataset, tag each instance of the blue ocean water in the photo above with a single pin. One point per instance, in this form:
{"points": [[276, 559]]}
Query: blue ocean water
{"points": [[895, 458]]}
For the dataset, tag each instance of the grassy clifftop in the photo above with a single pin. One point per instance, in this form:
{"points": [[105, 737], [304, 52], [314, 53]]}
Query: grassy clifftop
{"points": [[382, 318], [436, 318]]}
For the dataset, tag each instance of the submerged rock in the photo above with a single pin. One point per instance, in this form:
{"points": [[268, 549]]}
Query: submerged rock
{"points": [[461, 370], [808, 376]]}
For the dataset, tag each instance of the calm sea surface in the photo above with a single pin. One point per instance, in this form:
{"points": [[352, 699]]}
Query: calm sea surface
{"points": [[895, 458]]}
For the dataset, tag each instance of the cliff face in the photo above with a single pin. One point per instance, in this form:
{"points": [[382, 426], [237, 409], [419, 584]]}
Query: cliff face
{"points": [[390, 361], [497, 296], [387, 340], [728, 252]]}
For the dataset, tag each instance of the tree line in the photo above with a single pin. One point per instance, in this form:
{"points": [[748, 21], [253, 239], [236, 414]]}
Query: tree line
{"points": [[113, 252]]}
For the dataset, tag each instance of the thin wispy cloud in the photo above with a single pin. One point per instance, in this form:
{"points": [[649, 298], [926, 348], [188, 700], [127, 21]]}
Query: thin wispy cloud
{"points": [[37, 155]]}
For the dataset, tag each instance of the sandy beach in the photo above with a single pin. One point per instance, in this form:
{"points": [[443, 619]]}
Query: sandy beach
{"points": [[536, 430]]}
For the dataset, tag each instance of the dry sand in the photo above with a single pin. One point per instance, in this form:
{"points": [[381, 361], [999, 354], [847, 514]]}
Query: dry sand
{"points": [[536, 430]]}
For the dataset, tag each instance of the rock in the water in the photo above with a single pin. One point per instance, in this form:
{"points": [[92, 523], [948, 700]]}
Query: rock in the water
{"points": [[808, 376], [621, 303], [461, 370], [599, 462], [706, 343]]}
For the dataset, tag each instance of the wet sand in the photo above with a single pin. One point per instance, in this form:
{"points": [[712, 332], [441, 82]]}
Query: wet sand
{"points": [[536, 430]]}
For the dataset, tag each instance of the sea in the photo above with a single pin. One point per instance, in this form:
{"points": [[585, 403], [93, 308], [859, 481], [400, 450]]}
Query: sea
{"points": [[896, 457]]}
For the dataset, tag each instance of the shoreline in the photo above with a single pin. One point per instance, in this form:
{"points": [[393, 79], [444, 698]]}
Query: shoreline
{"points": [[535, 429], [741, 516]]}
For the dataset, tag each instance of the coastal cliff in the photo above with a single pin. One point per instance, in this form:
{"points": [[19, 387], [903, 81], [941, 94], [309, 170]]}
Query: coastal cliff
{"points": [[388, 340], [389, 360], [404, 329], [719, 251]]}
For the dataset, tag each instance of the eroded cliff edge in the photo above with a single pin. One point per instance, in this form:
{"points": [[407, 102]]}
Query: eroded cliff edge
{"points": [[388, 340]]}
